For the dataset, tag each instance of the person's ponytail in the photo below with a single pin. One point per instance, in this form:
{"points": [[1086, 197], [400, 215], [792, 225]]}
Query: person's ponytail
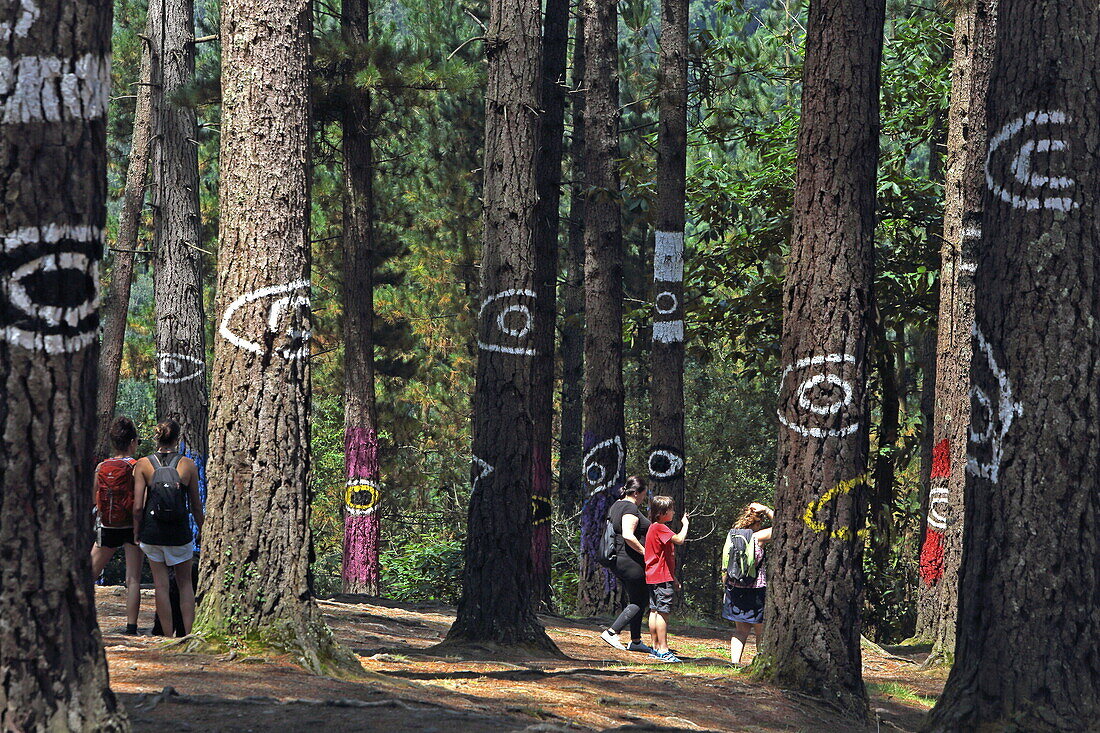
{"points": [[167, 433], [634, 485]]}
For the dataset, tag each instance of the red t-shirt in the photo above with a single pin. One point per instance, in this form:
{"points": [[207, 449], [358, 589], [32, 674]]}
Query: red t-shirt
{"points": [[660, 554]]}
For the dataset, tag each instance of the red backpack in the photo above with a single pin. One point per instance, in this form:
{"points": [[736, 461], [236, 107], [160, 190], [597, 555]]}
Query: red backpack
{"points": [[114, 492]]}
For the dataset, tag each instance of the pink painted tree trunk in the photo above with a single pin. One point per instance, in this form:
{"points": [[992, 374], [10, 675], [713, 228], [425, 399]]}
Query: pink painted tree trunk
{"points": [[361, 527]]}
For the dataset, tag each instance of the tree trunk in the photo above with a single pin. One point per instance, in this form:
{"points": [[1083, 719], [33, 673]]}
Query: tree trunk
{"points": [[604, 463], [811, 640], [117, 302], [362, 496], [555, 36], [1028, 646], [53, 138], [571, 489], [666, 456], [496, 582], [178, 266], [256, 582], [941, 550]]}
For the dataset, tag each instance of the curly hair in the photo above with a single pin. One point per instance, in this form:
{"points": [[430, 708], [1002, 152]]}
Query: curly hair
{"points": [[749, 518], [167, 433]]}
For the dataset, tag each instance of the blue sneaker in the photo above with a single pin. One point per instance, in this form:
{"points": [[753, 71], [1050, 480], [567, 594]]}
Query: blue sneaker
{"points": [[638, 646], [665, 657]]}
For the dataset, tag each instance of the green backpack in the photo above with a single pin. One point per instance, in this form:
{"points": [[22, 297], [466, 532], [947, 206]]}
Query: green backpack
{"points": [[741, 561]]}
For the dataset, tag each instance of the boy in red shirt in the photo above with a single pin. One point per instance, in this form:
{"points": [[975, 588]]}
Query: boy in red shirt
{"points": [[660, 571]]}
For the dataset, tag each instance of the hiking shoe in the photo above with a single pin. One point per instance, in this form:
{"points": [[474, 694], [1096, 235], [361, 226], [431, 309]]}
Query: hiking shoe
{"points": [[612, 639], [665, 657], [639, 646]]}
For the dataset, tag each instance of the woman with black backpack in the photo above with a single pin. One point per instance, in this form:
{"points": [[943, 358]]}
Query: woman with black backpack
{"points": [[166, 492], [630, 532], [746, 580]]}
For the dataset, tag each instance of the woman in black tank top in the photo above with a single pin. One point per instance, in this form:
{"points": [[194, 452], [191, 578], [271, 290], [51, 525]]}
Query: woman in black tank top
{"points": [[631, 527]]}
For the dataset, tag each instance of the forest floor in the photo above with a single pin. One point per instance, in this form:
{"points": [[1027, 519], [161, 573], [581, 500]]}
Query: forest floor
{"points": [[413, 688]]}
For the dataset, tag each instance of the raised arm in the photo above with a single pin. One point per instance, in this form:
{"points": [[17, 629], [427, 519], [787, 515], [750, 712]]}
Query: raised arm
{"points": [[679, 537], [630, 524]]}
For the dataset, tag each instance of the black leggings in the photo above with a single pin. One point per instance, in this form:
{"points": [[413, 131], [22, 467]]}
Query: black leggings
{"points": [[637, 592]]}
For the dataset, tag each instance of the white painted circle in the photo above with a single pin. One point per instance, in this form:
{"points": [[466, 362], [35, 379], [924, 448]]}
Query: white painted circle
{"points": [[170, 366], [817, 379], [675, 464], [515, 332], [665, 310]]}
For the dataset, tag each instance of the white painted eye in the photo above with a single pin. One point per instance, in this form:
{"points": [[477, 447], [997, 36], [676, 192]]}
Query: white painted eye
{"points": [[506, 322], [665, 463], [279, 310], [51, 284], [816, 399], [604, 465], [1023, 157], [176, 368]]}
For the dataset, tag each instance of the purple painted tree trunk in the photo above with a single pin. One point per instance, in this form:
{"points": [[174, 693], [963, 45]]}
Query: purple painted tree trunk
{"points": [[361, 528]]}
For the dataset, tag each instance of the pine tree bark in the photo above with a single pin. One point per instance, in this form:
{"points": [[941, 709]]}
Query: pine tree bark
{"points": [[53, 102], [178, 268], [941, 549], [256, 584], [815, 583], [116, 304], [604, 444], [1028, 644], [496, 582], [555, 37], [571, 490], [362, 497], [666, 460]]}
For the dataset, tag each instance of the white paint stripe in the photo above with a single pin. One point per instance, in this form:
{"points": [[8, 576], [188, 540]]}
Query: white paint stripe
{"points": [[28, 13], [818, 432], [968, 268], [817, 361], [668, 332], [51, 234], [1007, 412], [668, 257], [972, 232], [935, 517], [484, 470], [53, 89]]}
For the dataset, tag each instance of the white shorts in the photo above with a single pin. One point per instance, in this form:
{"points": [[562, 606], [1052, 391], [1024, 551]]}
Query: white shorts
{"points": [[169, 554]]}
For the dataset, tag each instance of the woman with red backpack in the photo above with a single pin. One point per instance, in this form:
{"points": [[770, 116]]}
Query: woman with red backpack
{"points": [[114, 504]]}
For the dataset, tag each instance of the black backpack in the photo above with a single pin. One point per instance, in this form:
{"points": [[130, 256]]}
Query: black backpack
{"points": [[607, 553], [166, 502], [741, 561]]}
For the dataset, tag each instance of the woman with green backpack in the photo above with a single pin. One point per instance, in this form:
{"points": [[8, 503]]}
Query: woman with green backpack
{"points": [[746, 580]]}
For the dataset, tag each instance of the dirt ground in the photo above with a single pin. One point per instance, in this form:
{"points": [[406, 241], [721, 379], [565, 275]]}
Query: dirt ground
{"points": [[594, 688]]}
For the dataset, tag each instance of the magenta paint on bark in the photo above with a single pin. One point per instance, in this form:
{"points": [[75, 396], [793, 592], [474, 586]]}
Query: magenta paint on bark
{"points": [[361, 502]]}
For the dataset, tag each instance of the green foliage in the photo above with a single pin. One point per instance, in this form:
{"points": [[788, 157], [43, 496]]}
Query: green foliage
{"points": [[425, 567]]}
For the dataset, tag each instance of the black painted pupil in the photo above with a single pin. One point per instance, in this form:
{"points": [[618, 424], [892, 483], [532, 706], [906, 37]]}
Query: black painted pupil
{"points": [[660, 463], [67, 288], [666, 302], [595, 473]]}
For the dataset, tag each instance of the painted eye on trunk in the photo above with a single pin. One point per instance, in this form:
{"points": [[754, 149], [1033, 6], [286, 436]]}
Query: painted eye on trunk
{"points": [[176, 368], [816, 398], [604, 465], [1029, 160], [506, 323], [51, 276], [361, 497], [665, 463], [274, 318]]}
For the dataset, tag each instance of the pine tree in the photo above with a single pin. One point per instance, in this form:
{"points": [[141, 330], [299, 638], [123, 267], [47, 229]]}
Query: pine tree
{"points": [[941, 550], [256, 581], [604, 464], [1028, 632], [811, 641], [53, 137], [496, 580]]}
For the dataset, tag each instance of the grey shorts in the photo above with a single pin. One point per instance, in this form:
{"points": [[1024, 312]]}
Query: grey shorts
{"points": [[660, 597]]}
